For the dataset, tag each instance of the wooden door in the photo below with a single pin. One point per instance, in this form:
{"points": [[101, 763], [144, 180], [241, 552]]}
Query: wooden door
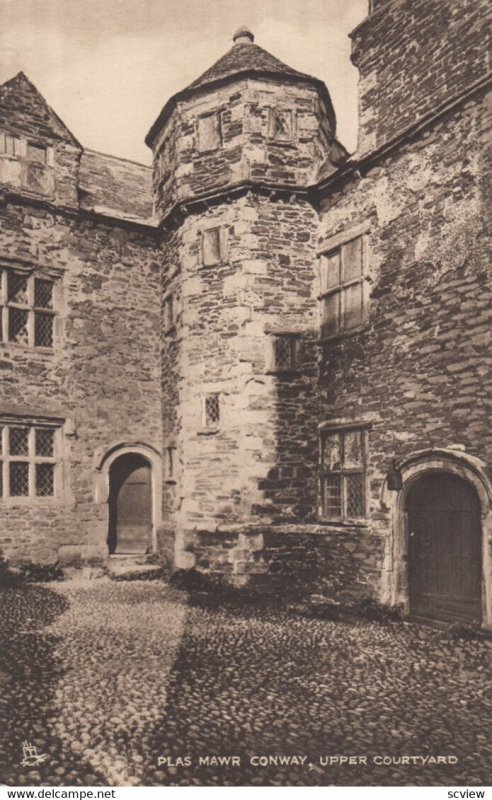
{"points": [[444, 549], [130, 506]]}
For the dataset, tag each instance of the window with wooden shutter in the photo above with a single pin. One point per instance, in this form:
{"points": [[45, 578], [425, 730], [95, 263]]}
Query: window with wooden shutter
{"points": [[342, 296]]}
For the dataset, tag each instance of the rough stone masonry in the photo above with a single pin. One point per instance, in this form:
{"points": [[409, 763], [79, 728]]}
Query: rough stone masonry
{"points": [[263, 359]]}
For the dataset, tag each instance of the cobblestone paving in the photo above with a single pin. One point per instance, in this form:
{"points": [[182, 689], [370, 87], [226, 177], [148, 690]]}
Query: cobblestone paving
{"points": [[109, 677]]}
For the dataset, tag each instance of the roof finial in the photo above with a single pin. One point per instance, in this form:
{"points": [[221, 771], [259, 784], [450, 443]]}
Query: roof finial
{"points": [[243, 35]]}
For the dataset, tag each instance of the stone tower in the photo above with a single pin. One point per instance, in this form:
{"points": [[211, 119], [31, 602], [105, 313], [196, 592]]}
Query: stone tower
{"points": [[234, 156]]}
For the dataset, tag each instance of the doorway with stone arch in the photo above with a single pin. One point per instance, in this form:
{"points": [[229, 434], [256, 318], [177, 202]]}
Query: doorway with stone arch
{"points": [[438, 560], [129, 486], [444, 548], [130, 506]]}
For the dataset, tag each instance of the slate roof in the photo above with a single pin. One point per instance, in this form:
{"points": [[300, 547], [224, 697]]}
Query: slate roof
{"points": [[24, 109], [245, 58], [115, 186]]}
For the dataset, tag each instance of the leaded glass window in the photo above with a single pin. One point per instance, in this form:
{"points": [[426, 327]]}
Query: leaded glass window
{"points": [[343, 473], [27, 311], [28, 459]]}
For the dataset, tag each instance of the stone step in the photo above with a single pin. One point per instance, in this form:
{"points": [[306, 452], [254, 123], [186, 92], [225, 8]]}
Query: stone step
{"points": [[129, 565]]}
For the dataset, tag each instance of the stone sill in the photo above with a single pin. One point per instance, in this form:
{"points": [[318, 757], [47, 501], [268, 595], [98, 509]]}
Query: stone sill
{"points": [[13, 350], [207, 432], [30, 502], [321, 527], [343, 335]]}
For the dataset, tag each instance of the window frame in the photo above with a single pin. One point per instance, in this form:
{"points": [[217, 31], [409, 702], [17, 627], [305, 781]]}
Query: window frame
{"points": [[20, 152], [169, 312], [170, 462], [273, 113], [336, 245], [272, 365], [222, 232], [208, 425], [31, 458], [342, 430], [217, 117], [33, 311]]}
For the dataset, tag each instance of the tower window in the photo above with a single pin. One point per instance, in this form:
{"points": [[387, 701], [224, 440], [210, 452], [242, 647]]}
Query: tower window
{"points": [[169, 313], [26, 309], [342, 288], [284, 355], [209, 133], [212, 410], [214, 246], [281, 125], [170, 464], [343, 473], [28, 460]]}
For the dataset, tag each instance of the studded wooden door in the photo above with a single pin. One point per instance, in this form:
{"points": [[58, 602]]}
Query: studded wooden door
{"points": [[444, 549], [130, 506]]}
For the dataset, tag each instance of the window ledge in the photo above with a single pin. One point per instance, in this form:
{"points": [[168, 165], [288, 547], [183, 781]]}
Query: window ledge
{"points": [[292, 371], [346, 523], [342, 335], [11, 350], [207, 432], [33, 502]]}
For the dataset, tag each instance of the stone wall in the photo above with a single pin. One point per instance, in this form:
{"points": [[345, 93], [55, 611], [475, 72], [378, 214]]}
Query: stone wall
{"points": [[102, 377], [259, 460], [412, 56], [420, 370]]}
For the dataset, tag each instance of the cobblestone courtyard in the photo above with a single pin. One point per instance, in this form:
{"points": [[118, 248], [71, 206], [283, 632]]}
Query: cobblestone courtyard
{"points": [[106, 678]]}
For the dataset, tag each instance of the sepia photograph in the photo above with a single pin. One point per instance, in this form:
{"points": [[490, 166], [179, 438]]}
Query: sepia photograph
{"points": [[245, 395]]}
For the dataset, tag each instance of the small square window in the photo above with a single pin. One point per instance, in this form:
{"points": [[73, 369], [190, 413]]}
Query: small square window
{"points": [[169, 311], [214, 246], [212, 410], [281, 125], [209, 134]]}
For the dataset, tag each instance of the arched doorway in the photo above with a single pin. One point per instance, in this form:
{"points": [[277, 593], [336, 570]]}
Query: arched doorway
{"points": [[444, 548], [130, 505]]}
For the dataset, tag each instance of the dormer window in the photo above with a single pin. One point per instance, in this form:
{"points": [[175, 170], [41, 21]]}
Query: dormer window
{"points": [[27, 165]]}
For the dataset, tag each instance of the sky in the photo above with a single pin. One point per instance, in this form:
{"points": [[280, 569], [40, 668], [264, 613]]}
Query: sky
{"points": [[108, 66]]}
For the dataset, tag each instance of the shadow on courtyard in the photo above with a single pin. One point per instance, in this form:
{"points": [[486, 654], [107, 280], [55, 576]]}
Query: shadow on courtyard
{"points": [[29, 671]]}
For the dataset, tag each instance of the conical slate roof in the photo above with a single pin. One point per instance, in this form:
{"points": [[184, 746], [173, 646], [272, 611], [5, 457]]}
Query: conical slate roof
{"points": [[243, 59], [23, 108]]}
